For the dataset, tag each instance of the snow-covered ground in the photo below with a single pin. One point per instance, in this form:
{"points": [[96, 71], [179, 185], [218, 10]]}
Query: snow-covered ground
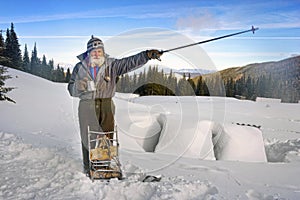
{"points": [[204, 147]]}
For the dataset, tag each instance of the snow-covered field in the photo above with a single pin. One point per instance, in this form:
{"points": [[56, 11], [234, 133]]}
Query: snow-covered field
{"points": [[204, 147]]}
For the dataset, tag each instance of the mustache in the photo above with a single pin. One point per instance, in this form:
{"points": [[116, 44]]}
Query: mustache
{"points": [[97, 61]]}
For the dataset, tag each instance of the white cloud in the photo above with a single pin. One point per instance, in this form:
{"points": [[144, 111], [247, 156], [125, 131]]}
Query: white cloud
{"points": [[198, 21], [132, 12]]}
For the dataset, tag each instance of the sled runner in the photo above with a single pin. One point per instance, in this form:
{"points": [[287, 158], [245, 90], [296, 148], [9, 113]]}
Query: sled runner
{"points": [[104, 155]]}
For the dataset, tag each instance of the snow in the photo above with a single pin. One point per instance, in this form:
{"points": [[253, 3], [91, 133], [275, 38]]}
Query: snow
{"points": [[266, 100], [234, 142], [204, 147]]}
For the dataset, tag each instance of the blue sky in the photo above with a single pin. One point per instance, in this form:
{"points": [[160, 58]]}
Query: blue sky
{"points": [[62, 28]]}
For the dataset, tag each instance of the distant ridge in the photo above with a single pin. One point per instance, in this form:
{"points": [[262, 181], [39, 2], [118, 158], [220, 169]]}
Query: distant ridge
{"points": [[282, 78], [254, 70]]}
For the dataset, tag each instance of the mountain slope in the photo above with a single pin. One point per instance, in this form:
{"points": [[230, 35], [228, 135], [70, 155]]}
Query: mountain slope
{"points": [[289, 67], [40, 147], [279, 79]]}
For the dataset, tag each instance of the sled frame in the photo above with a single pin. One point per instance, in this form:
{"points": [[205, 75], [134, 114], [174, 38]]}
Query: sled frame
{"points": [[109, 167]]}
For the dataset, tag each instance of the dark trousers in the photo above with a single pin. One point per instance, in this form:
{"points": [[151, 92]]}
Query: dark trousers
{"points": [[98, 114]]}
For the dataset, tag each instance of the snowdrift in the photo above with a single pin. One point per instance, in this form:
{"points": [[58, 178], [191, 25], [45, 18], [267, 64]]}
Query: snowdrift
{"points": [[232, 142], [144, 128], [177, 137], [28, 172]]}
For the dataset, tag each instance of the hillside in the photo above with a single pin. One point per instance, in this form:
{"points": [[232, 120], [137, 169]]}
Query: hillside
{"points": [[269, 79], [288, 67], [41, 155]]}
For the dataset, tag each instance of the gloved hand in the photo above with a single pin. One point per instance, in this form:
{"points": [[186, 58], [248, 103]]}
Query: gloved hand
{"points": [[82, 84], [154, 54]]}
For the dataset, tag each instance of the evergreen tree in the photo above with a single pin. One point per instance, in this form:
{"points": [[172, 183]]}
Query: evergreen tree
{"points": [[229, 87], [198, 91], [34, 61], [249, 89], [62, 77], [201, 88], [68, 75], [172, 83], [240, 86], [261, 86], [7, 45], [3, 59], [4, 90], [26, 61], [59, 75], [51, 64], [6, 59], [12, 48], [44, 68], [192, 84], [44, 61], [1, 44], [184, 88], [118, 86], [126, 84]]}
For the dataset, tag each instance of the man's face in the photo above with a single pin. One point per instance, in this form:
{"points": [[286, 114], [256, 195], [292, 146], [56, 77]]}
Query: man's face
{"points": [[97, 53], [97, 57]]}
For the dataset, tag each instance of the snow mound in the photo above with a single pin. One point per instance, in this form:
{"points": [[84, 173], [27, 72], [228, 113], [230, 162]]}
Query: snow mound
{"points": [[169, 125], [138, 129], [254, 195], [240, 143], [210, 140], [195, 142], [28, 172], [126, 96], [283, 151], [43, 111]]}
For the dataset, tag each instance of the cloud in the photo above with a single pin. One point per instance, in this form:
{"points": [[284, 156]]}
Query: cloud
{"points": [[205, 20], [45, 18], [130, 12]]}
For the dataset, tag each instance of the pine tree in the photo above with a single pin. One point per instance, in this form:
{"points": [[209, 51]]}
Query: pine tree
{"points": [[249, 89], [229, 87], [201, 88], [26, 61], [60, 75], [4, 90], [68, 75], [192, 84], [12, 49], [126, 84], [44, 61], [34, 61], [7, 50], [17, 56], [51, 64], [3, 59], [1, 44], [172, 83], [44, 68], [184, 88]]}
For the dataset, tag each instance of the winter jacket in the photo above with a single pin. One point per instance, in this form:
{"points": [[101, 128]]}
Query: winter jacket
{"points": [[113, 68]]}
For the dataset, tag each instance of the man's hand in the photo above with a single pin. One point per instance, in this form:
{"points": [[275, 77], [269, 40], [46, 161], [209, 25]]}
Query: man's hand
{"points": [[154, 54], [82, 84]]}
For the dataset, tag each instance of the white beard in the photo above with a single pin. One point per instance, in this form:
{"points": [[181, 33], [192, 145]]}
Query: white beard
{"points": [[97, 61]]}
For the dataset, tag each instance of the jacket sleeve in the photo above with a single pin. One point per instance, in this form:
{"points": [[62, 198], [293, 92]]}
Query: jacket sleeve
{"points": [[124, 65], [72, 86]]}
